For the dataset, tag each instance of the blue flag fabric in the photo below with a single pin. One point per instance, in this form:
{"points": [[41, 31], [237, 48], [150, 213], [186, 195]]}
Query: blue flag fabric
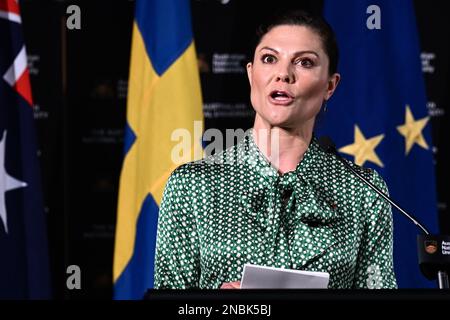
{"points": [[164, 96], [378, 115], [24, 272]]}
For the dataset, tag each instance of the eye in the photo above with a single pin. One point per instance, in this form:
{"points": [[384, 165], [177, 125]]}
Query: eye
{"points": [[305, 62], [268, 58]]}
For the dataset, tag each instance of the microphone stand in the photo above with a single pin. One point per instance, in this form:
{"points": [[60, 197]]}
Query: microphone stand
{"points": [[433, 250]]}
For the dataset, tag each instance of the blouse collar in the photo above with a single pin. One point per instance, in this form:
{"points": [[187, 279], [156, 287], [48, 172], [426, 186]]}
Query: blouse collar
{"points": [[313, 160]]}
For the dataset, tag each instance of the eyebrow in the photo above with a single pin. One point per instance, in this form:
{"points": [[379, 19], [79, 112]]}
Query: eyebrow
{"points": [[296, 53]]}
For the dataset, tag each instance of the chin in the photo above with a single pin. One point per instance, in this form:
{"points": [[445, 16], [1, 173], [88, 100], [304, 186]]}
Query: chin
{"points": [[278, 122], [279, 119]]}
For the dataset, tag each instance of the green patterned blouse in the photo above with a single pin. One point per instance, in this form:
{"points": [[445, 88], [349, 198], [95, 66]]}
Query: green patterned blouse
{"points": [[235, 208]]}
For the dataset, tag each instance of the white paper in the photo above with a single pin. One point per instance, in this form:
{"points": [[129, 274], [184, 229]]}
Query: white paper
{"points": [[261, 277]]}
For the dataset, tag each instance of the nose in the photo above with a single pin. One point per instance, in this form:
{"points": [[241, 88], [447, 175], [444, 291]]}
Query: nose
{"points": [[285, 75]]}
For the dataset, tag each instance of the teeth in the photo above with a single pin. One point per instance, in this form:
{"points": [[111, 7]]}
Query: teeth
{"points": [[279, 95]]}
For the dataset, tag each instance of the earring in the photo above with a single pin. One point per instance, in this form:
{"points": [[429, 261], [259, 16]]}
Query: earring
{"points": [[325, 107]]}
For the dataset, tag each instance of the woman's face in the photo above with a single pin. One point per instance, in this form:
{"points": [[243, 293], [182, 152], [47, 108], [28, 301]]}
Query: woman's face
{"points": [[289, 77]]}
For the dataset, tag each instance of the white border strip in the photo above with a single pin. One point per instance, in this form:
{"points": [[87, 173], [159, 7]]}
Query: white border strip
{"points": [[14, 17], [18, 67]]}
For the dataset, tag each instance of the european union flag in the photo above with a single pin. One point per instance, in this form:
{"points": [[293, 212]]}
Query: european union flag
{"points": [[378, 115], [24, 272]]}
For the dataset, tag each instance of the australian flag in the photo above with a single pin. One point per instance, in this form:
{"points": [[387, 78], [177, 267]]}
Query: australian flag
{"points": [[24, 272], [378, 115]]}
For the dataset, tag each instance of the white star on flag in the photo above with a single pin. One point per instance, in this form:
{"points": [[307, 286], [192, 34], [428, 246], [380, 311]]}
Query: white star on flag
{"points": [[6, 183]]}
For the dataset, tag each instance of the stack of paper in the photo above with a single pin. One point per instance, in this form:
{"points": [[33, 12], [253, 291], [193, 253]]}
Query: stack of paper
{"points": [[261, 277]]}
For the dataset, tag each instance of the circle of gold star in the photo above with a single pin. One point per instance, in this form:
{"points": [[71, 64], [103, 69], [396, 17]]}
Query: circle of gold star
{"points": [[412, 131], [364, 149]]}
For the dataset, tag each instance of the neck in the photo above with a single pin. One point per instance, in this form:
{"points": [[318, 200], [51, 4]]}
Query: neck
{"points": [[283, 147]]}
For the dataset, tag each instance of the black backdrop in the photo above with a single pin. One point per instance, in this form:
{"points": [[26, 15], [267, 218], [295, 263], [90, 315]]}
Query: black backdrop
{"points": [[79, 83]]}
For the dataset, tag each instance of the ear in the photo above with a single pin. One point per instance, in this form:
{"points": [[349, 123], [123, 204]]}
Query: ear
{"points": [[332, 84], [249, 72]]}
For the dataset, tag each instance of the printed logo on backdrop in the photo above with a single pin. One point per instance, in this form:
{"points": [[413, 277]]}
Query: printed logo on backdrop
{"points": [[38, 113], [32, 63], [203, 65], [434, 110], [445, 247], [216, 110], [122, 88], [222, 64], [228, 63], [427, 58], [430, 246]]}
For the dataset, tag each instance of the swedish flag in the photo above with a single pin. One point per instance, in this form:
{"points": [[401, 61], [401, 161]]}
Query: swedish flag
{"points": [[163, 96], [378, 115]]}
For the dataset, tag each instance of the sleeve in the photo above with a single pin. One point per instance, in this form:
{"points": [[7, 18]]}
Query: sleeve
{"points": [[177, 252], [375, 268]]}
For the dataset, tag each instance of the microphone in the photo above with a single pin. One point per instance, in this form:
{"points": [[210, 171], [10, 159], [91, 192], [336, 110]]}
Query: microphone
{"points": [[433, 250], [327, 145]]}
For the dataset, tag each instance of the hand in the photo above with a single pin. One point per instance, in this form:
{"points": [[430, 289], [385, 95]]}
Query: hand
{"points": [[231, 285]]}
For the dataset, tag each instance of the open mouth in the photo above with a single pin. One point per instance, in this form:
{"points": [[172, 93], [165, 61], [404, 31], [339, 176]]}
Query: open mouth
{"points": [[281, 97]]}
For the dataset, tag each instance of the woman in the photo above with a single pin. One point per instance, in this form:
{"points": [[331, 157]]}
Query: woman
{"points": [[289, 205]]}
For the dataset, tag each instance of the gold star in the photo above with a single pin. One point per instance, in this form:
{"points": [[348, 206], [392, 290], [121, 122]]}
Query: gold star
{"points": [[363, 149], [412, 131]]}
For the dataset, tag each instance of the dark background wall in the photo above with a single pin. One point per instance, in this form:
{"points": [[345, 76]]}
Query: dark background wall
{"points": [[79, 82]]}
